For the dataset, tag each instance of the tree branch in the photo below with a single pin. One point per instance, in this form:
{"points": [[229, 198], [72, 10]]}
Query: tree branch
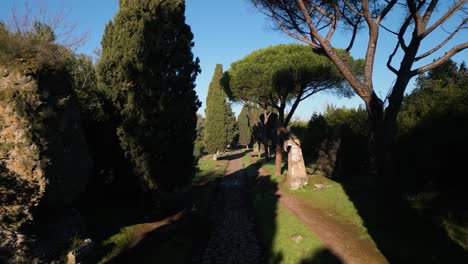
{"points": [[334, 22], [441, 60], [385, 11], [352, 8], [390, 58], [287, 31], [436, 48], [444, 18]]}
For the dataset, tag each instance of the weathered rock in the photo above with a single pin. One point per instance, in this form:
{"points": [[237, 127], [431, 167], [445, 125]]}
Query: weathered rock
{"points": [[320, 186], [297, 174], [44, 160], [256, 147], [296, 237], [81, 253]]}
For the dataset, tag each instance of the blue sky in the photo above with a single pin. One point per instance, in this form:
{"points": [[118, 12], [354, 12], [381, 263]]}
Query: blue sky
{"points": [[225, 31]]}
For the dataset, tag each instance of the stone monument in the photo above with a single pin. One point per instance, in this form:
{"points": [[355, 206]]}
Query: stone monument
{"points": [[297, 174]]}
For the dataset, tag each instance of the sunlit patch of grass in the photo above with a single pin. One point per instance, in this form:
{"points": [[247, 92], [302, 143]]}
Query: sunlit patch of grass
{"points": [[277, 227], [332, 199], [119, 242], [246, 160], [457, 232], [206, 167]]}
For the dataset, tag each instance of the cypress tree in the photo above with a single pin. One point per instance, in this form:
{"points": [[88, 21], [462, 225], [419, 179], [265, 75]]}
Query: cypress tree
{"points": [[245, 129], [230, 124], [215, 130], [148, 71]]}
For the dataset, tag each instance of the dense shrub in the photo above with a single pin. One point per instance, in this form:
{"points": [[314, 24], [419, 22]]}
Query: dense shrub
{"points": [[336, 141], [433, 125]]}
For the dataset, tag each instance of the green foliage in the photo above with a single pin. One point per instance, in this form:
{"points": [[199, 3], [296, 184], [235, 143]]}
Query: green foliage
{"points": [[437, 92], [335, 140], [32, 52], [245, 127], [148, 71], [284, 75], [355, 119], [90, 98], [283, 70], [198, 149], [43, 32], [432, 132], [231, 126], [200, 127], [215, 121]]}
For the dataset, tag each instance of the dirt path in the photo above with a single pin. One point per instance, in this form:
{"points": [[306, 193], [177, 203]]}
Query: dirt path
{"points": [[233, 239], [340, 238]]}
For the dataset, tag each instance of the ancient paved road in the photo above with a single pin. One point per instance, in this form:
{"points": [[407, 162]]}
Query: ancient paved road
{"points": [[233, 239]]}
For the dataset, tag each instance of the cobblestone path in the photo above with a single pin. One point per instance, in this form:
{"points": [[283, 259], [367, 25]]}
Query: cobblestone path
{"points": [[233, 238]]}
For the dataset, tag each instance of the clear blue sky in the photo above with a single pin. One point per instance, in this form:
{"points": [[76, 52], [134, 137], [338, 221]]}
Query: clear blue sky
{"points": [[225, 31]]}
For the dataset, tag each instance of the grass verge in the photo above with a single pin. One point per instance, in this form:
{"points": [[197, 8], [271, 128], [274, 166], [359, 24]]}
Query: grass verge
{"points": [[284, 238]]}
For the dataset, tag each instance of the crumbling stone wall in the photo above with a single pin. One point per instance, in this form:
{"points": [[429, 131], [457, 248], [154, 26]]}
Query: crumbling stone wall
{"points": [[44, 160]]}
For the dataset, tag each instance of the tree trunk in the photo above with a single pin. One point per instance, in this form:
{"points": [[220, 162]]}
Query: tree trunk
{"points": [[279, 159], [388, 170], [266, 117], [377, 137], [266, 149], [279, 147]]}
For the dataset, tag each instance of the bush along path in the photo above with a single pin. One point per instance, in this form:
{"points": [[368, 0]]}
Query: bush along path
{"points": [[233, 238]]}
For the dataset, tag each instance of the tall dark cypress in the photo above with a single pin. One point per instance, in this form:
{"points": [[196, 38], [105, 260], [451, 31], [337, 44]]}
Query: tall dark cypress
{"points": [[148, 71], [215, 112], [245, 127]]}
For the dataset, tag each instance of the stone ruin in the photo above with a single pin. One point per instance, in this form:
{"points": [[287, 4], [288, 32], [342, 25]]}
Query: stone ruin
{"points": [[297, 174]]}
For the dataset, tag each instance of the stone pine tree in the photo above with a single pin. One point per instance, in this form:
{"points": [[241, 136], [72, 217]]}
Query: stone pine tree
{"points": [[215, 131], [245, 129], [422, 35], [281, 77], [148, 71]]}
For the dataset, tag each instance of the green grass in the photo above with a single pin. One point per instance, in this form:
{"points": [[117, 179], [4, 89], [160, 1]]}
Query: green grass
{"points": [[205, 166], [277, 226], [119, 242], [270, 168], [457, 232], [246, 160], [333, 199], [178, 248]]}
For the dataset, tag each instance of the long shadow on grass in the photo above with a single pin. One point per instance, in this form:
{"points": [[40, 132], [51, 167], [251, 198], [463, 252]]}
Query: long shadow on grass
{"points": [[402, 234], [235, 155], [265, 199]]}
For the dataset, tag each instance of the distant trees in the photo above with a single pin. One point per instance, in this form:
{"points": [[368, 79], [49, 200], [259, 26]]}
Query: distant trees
{"points": [[432, 129], [148, 71], [316, 22], [200, 127], [230, 124], [90, 97], [245, 127], [215, 114], [283, 75]]}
